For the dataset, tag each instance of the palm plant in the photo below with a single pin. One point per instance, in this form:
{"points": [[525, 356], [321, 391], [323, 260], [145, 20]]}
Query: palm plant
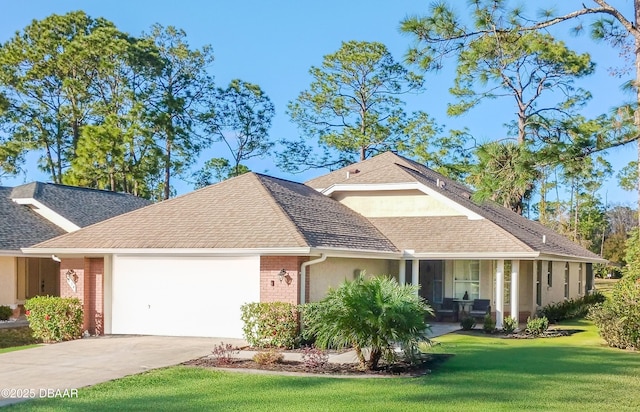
{"points": [[373, 313]]}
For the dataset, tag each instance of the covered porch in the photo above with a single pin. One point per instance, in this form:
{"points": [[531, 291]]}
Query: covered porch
{"points": [[514, 287]]}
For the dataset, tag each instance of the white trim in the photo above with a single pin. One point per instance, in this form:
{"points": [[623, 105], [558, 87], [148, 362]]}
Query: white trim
{"points": [[515, 290], [499, 293], [303, 276], [347, 187], [568, 258], [48, 213], [170, 251]]}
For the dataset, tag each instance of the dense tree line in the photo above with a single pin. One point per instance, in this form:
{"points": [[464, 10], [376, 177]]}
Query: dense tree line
{"points": [[107, 110]]}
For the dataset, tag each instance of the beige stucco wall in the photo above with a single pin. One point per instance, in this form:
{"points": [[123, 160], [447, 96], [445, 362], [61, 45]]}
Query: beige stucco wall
{"points": [[525, 295], [7, 280], [395, 203], [333, 271]]}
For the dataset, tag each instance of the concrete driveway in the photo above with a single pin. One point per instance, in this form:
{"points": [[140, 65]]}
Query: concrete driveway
{"points": [[84, 362]]}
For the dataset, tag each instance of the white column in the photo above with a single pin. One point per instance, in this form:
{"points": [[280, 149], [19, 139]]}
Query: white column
{"points": [[515, 290], [402, 274], [415, 272], [499, 293], [534, 304]]}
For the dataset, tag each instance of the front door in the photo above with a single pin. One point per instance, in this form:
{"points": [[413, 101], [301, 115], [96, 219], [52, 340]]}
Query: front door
{"points": [[432, 280]]}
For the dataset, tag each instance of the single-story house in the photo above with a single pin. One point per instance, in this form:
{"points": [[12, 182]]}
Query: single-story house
{"points": [[185, 266], [35, 212]]}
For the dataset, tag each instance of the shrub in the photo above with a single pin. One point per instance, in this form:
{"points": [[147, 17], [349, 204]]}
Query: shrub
{"points": [[537, 326], [314, 358], [223, 353], [467, 323], [375, 313], [5, 312], [272, 324], [509, 324], [572, 308], [269, 357], [309, 314], [618, 319], [489, 325], [55, 319]]}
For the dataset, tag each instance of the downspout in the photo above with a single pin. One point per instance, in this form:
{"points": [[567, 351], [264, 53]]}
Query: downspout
{"points": [[303, 275]]}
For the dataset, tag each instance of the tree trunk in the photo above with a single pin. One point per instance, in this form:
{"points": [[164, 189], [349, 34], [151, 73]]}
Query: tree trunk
{"points": [[361, 359], [167, 171], [374, 358]]}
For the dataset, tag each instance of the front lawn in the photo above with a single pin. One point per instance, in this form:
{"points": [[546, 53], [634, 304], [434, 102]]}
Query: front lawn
{"points": [[486, 373]]}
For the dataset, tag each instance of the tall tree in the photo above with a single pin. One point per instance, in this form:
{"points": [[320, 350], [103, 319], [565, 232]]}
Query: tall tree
{"points": [[353, 109], [115, 151], [441, 33], [176, 100], [534, 70], [512, 169], [46, 83], [241, 119]]}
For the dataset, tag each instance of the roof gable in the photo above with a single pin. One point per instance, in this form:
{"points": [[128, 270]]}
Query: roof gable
{"points": [[245, 212], [529, 234]]}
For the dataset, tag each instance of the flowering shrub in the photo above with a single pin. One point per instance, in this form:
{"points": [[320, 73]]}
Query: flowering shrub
{"points": [[223, 353], [314, 358], [54, 319], [272, 324]]}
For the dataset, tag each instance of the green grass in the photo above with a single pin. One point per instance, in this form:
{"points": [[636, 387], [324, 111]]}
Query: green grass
{"points": [[605, 286], [14, 337], [15, 348], [486, 374]]}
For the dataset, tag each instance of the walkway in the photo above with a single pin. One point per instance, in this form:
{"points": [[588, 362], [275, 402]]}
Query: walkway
{"points": [[84, 362]]}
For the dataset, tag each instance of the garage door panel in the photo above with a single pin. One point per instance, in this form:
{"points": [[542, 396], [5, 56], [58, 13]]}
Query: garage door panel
{"points": [[182, 296]]}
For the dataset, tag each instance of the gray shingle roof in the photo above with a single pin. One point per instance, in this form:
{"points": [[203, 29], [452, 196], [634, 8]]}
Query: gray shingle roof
{"points": [[21, 227], [249, 211], [80, 205]]}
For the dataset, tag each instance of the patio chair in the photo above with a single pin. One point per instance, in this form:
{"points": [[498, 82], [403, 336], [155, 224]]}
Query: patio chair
{"points": [[480, 308], [447, 308]]}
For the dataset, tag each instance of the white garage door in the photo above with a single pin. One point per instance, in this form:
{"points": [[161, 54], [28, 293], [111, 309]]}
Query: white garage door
{"points": [[182, 296]]}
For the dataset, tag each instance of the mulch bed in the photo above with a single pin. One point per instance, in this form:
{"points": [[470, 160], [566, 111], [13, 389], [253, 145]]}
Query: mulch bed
{"points": [[334, 369], [550, 333]]}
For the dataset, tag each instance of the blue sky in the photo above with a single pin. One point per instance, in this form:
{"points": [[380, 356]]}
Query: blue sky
{"points": [[274, 43]]}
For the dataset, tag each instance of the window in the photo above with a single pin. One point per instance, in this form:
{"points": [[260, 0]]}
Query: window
{"points": [[466, 278], [539, 283], [437, 286], [566, 280], [549, 273], [580, 279]]}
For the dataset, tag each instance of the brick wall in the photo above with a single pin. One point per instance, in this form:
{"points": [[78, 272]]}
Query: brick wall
{"points": [[89, 289], [271, 289]]}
